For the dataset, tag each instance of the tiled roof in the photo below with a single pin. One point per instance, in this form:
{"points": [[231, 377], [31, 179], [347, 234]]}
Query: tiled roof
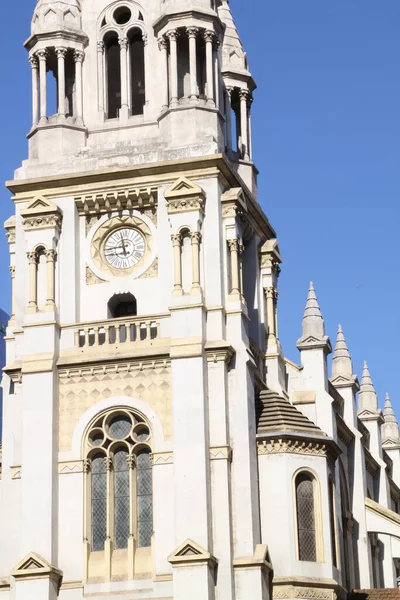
{"points": [[377, 594], [275, 414]]}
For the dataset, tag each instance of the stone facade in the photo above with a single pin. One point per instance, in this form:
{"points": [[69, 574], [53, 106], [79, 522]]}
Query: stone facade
{"points": [[156, 441]]}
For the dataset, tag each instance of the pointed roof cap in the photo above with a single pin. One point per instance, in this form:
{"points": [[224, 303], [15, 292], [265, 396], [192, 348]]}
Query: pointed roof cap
{"points": [[234, 58], [388, 412], [313, 326], [56, 15], [341, 361], [276, 414], [367, 398]]}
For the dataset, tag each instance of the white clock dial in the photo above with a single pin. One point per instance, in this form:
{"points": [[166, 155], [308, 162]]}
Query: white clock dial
{"points": [[124, 248]]}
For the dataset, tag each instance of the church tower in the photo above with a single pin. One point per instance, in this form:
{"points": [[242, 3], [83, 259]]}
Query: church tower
{"points": [[144, 294]]}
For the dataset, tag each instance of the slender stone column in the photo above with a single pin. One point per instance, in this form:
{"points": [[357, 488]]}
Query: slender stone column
{"points": [[12, 271], [195, 236], [173, 36], [61, 54], [163, 46], [33, 260], [217, 73], [228, 117], [177, 244], [270, 295], [123, 44], [192, 34], [42, 55], [100, 73], [79, 56], [50, 259], [249, 128], [35, 89], [234, 250], [108, 546], [244, 97], [209, 39]]}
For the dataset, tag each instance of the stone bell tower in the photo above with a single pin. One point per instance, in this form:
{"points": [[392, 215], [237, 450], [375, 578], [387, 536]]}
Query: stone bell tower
{"points": [[140, 319]]}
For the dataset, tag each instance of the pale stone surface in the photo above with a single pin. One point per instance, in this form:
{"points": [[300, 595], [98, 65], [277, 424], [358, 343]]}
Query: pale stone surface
{"points": [[186, 339]]}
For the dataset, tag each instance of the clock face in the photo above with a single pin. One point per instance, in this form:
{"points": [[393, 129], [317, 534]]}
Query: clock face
{"points": [[124, 248]]}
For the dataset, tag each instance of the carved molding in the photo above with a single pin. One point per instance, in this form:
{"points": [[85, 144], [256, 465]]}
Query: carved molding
{"points": [[10, 227], [162, 458], [281, 592], [40, 213], [128, 198], [291, 446], [221, 453], [184, 196], [70, 467]]}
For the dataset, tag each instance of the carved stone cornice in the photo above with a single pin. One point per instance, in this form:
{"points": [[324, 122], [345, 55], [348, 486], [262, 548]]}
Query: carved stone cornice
{"points": [[297, 444], [371, 464], [219, 352], [126, 198], [270, 257], [40, 213], [185, 195], [233, 203], [344, 433]]}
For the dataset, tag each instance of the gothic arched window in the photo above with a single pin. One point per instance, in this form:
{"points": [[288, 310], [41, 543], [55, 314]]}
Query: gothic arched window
{"points": [[137, 73], [119, 481], [308, 517]]}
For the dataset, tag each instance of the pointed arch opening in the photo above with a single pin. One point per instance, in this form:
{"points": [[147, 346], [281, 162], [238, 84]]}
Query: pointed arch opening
{"points": [[308, 517]]}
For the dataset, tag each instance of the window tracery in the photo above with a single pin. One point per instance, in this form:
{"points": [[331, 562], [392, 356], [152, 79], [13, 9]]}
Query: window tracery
{"points": [[121, 47], [119, 481]]}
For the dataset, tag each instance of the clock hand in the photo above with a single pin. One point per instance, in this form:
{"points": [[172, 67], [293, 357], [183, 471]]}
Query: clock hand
{"points": [[123, 246]]}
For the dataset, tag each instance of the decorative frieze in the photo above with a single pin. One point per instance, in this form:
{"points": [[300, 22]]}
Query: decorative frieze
{"points": [[41, 214], [280, 592], [128, 198], [292, 446]]}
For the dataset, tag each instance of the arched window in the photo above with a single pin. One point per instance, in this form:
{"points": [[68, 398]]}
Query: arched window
{"points": [[113, 74], [119, 481], [308, 517], [137, 74]]}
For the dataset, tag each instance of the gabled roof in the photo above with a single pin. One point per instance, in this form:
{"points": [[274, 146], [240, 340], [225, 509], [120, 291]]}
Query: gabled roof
{"points": [[274, 414]]}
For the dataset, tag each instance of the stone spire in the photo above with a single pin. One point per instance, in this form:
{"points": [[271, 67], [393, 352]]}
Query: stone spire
{"points": [[232, 49], [341, 362], [313, 326], [367, 398], [390, 428]]}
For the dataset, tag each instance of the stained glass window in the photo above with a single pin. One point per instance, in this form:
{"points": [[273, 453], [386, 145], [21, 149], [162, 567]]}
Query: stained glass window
{"points": [[99, 502], [121, 498], [144, 499], [306, 518]]}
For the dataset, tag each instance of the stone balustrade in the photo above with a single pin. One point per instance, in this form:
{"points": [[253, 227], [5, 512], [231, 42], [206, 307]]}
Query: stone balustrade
{"points": [[118, 332]]}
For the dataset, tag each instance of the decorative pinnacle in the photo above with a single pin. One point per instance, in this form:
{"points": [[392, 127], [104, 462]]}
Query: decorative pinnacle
{"points": [[341, 362], [388, 412], [367, 398], [313, 323]]}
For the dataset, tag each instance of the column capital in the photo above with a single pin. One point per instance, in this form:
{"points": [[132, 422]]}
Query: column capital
{"points": [[229, 90], [192, 31], [209, 36], [79, 56], [162, 43], [32, 257], [123, 43], [172, 35], [233, 245], [131, 460], [145, 38], [100, 46], [33, 61], [42, 54], [176, 239], [87, 465], [108, 463], [12, 271], [196, 237], [244, 94], [50, 255], [61, 52], [241, 248]]}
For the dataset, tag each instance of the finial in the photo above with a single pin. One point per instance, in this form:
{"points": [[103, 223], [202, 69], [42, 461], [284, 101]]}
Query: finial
{"points": [[367, 398], [388, 412], [313, 323], [390, 428], [341, 362]]}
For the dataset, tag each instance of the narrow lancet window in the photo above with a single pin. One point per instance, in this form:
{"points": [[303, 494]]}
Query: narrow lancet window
{"points": [[99, 502], [137, 72], [306, 527], [121, 498], [144, 499], [113, 75]]}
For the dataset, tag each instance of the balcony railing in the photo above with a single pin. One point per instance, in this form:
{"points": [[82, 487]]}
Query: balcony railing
{"points": [[129, 331]]}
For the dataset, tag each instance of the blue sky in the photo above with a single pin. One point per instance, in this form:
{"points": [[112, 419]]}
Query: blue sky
{"points": [[326, 135]]}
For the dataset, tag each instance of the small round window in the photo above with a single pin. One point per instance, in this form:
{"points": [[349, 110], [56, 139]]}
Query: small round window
{"points": [[122, 15]]}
